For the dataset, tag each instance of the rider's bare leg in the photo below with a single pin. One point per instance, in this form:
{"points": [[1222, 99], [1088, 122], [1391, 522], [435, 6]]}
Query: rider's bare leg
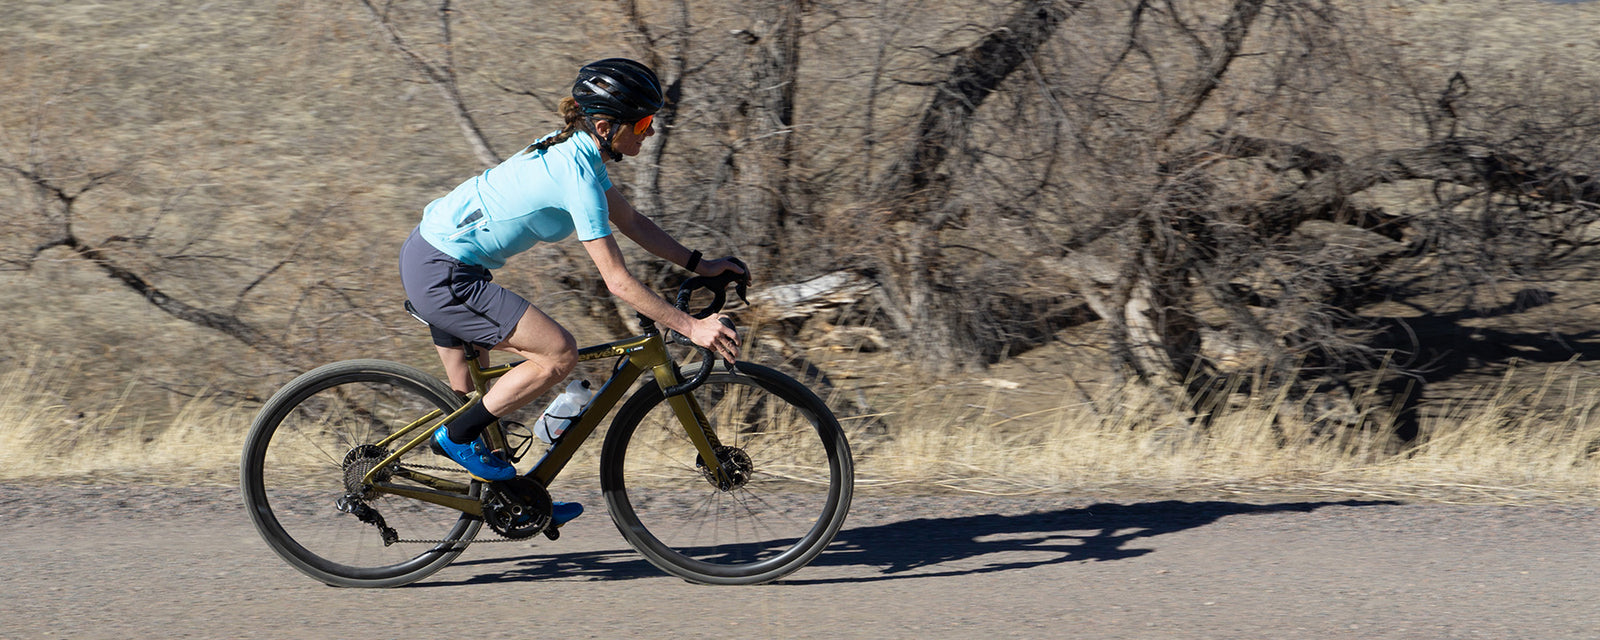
{"points": [[550, 352], [455, 367], [550, 355]]}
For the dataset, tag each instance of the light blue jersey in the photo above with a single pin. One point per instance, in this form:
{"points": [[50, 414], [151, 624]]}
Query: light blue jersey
{"points": [[530, 198]]}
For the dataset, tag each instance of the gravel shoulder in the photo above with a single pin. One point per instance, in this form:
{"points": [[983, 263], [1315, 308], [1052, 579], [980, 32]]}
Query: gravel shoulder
{"points": [[137, 561]]}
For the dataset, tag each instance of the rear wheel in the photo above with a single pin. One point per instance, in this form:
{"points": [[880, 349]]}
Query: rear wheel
{"points": [[304, 459], [792, 479]]}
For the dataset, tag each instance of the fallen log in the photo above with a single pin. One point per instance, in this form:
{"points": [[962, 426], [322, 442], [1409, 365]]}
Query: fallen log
{"points": [[810, 297]]}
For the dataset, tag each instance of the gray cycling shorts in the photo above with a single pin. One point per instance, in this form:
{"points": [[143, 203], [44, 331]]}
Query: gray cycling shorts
{"points": [[458, 300]]}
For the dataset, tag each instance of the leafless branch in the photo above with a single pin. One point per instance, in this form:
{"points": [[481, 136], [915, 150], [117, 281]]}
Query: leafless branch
{"points": [[441, 75]]}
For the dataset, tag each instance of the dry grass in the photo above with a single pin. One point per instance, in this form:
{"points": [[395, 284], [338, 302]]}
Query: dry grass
{"points": [[1489, 447], [42, 438]]}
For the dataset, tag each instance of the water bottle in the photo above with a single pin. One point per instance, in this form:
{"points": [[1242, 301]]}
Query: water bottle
{"points": [[563, 410]]}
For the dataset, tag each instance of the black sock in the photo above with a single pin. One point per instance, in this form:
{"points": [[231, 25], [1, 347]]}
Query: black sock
{"points": [[469, 425]]}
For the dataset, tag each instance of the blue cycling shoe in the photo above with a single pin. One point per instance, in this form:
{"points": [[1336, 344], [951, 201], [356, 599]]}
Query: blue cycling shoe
{"points": [[476, 458], [563, 512]]}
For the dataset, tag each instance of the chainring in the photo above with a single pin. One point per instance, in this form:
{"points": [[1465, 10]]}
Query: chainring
{"points": [[516, 508]]}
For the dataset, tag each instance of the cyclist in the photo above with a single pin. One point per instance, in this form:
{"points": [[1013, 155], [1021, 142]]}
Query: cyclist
{"points": [[556, 186]]}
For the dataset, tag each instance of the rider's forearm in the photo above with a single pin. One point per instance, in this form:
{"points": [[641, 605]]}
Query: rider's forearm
{"points": [[647, 302], [622, 284]]}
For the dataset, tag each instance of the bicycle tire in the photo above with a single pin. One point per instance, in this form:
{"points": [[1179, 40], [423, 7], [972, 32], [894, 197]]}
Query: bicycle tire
{"points": [[800, 479], [293, 472]]}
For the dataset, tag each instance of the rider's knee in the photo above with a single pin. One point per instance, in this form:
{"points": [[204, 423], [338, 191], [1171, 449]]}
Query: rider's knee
{"points": [[565, 361]]}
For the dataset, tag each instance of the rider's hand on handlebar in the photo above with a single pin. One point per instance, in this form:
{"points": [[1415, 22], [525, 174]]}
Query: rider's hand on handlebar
{"points": [[711, 333], [710, 268]]}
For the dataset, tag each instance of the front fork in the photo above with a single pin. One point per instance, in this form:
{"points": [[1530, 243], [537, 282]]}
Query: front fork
{"points": [[695, 424]]}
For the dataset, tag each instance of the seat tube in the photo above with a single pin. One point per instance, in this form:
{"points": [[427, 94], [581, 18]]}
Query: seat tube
{"points": [[494, 434], [480, 382]]}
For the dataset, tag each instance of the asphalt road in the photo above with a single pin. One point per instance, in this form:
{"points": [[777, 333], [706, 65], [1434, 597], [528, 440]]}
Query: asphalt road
{"points": [[135, 562]]}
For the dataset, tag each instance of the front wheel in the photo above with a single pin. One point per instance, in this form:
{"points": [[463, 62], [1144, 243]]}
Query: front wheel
{"points": [[307, 451], [793, 478]]}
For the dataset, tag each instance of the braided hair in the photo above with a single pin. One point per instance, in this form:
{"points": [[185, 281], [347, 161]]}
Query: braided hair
{"points": [[574, 117]]}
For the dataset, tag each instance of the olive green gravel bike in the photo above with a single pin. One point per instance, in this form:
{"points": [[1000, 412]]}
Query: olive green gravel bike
{"points": [[717, 473]]}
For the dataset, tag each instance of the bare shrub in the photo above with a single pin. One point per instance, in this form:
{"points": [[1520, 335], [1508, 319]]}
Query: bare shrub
{"points": [[1214, 172]]}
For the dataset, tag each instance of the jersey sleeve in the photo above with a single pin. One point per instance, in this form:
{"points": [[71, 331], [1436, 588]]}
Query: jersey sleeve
{"points": [[591, 216]]}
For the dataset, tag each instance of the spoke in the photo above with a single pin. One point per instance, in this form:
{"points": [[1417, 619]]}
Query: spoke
{"points": [[705, 506], [771, 509], [670, 458], [332, 461]]}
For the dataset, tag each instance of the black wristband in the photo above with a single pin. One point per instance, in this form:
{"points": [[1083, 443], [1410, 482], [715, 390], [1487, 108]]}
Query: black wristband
{"points": [[694, 261]]}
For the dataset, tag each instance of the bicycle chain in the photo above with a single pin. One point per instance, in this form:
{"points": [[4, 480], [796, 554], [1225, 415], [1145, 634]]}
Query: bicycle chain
{"points": [[431, 468], [464, 545]]}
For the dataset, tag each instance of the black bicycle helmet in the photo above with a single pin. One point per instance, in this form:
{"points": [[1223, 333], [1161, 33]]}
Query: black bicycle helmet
{"points": [[617, 88]]}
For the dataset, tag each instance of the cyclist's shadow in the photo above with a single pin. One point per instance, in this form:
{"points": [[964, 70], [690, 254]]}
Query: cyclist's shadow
{"points": [[941, 547]]}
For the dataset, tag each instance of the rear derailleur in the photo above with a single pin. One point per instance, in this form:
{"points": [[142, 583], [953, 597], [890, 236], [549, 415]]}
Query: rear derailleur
{"points": [[358, 462], [354, 505]]}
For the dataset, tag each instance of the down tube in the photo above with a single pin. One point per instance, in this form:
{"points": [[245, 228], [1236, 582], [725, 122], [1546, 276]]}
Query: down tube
{"points": [[559, 455]]}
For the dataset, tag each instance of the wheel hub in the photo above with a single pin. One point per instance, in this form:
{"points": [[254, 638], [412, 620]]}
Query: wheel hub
{"points": [[735, 464]]}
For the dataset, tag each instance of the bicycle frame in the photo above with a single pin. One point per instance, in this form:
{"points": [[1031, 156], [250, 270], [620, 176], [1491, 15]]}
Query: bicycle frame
{"points": [[638, 354]]}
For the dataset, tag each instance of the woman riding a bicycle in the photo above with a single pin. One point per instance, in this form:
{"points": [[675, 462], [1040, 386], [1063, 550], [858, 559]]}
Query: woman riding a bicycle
{"points": [[556, 186]]}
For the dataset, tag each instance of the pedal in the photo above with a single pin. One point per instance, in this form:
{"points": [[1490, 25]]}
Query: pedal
{"points": [[552, 533]]}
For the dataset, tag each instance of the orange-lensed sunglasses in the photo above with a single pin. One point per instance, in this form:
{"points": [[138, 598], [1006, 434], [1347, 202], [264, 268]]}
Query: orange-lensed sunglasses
{"points": [[642, 124]]}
